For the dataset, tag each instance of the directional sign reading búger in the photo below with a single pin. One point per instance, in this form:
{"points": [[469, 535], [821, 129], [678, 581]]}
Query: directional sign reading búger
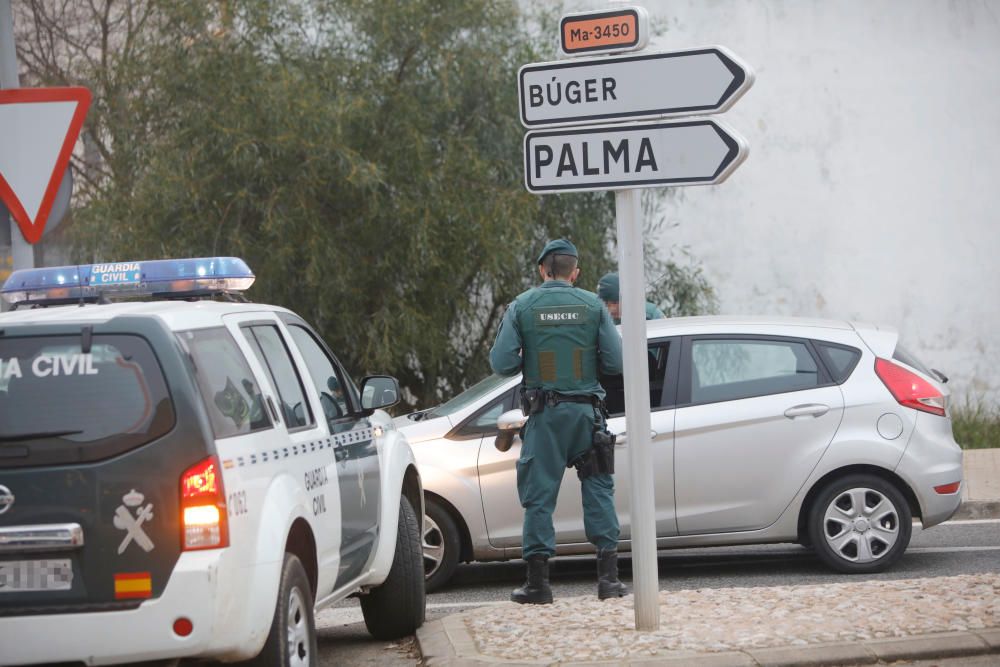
{"points": [[637, 155], [634, 87]]}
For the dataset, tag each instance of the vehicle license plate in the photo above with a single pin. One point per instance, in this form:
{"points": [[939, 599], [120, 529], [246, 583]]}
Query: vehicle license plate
{"points": [[36, 575]]}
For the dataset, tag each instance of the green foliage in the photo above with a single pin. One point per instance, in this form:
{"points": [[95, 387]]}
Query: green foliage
{"points": [[364, 157], [976, 424]]}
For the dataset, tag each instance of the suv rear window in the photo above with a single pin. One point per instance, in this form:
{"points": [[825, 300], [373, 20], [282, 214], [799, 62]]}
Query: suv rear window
{"points": [[59, 405]]}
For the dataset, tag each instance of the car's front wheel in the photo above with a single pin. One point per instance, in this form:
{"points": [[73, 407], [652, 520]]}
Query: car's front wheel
{"points": [[860, 524], [396, 608], [441, 546], [292, 640]]}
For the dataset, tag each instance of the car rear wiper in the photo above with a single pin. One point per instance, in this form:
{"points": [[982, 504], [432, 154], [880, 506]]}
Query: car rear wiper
{"points": [[36, 436]]}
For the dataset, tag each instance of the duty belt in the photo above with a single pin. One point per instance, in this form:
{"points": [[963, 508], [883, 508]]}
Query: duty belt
{"points": [[553, 398]]}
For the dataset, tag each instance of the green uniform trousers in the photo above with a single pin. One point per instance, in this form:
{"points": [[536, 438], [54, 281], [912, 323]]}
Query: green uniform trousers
{"points": [[553, 439]]}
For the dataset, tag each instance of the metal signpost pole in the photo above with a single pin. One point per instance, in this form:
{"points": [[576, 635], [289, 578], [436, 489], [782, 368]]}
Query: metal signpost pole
{"points": [[22, 252], [632, 293]]}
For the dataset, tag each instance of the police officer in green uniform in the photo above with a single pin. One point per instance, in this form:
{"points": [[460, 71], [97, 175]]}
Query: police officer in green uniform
{"points": [[560, 337], [607, 289]]}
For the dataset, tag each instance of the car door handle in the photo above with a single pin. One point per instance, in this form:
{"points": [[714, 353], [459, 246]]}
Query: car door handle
{"points": [[807, 410], [622, 438]]}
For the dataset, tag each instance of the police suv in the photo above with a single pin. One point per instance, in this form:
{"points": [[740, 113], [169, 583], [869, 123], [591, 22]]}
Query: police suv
{"points": [[188, 474]]}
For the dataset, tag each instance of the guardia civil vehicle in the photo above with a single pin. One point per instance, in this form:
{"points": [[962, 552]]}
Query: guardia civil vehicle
{"points": [[185, 473]]}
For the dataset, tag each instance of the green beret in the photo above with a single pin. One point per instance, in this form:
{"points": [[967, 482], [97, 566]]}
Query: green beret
{"points": [[559, 247], [607, 287]]}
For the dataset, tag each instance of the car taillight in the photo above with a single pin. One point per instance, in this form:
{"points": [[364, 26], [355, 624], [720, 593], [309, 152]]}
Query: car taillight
{"points": [[203, 507], [909, 388]]}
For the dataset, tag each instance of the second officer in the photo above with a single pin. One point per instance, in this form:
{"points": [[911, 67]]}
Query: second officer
{"points": [[561, 337]]}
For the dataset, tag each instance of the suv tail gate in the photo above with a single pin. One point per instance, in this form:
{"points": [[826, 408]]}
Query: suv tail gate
{"points": [[96, 430]]}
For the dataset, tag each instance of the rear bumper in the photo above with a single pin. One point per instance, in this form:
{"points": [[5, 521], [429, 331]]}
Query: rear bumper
{"points": [[933, 458], [115, 637]]}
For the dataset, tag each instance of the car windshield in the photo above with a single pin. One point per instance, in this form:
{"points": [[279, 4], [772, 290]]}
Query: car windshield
{"points": [[468, 397]]}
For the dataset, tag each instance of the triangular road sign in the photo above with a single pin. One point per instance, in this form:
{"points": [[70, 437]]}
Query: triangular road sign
{"points": [[38, 130]]}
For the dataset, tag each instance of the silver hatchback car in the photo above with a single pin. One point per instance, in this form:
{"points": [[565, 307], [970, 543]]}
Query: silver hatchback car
{"points": [[765, 430]]}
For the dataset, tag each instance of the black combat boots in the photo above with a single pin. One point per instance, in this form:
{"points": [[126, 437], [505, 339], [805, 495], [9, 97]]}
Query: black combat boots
{"points": [[608, 585], [536, 589]]}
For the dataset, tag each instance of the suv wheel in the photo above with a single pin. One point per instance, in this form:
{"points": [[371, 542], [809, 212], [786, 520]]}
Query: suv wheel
{"points": [[860, 524], [292, 640], [396, 608], [441, 546]]}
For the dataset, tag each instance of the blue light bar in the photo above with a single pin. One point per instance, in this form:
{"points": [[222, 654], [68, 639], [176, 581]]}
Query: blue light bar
{"points": [[165, 277]]}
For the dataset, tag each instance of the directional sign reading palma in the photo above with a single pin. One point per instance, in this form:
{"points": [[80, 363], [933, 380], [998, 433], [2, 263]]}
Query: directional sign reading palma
{"points": [[633, 87], [636, 155]]}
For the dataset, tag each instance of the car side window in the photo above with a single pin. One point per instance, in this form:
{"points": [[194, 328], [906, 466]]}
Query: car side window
{"points": [[323, 372], [839, 359], [228, 388], [614, 385], [484, 422], [730, 369], [267, 344]]}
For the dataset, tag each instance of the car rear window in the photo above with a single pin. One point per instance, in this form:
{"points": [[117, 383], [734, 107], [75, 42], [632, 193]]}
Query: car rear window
{"points": [[908, 358], [59, 404], [840, 359], [228, 387]]}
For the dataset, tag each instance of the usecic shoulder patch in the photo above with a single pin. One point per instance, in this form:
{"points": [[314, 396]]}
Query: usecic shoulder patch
{"points": [[556, 315]]}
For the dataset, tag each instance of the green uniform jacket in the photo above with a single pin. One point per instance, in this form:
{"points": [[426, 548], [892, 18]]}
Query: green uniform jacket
{"points": [[507, 357]]}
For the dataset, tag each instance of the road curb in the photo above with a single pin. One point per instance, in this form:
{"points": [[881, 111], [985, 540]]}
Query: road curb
{"points": [[448, 643], [978, 509]]}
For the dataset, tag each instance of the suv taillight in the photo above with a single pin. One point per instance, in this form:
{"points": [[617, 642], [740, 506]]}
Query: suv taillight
{"points": [[203, 507], [910, 389]]}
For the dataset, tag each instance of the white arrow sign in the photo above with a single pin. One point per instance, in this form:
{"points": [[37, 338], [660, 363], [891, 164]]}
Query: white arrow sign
{"points": [[655, 85], [38, 130], [637, 155]]}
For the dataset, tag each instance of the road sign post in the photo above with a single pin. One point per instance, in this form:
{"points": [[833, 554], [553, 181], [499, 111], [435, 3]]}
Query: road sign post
{"points": [[573, 155], [642, 514], [22, 253]]}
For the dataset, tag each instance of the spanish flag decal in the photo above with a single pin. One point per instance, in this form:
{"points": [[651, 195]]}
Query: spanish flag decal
{"points": [[133, 585]]}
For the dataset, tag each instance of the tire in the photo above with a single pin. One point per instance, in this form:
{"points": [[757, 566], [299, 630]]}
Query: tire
{"points": [[396, 608], [441, 546], [860, 524], [292, 639]]}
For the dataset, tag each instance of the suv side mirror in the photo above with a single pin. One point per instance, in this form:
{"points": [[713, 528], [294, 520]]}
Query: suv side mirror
{"points": [[379, 391]]}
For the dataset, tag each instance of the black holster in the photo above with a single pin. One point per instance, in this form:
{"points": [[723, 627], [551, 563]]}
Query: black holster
{"points": [[532, 401], [600, 458]]}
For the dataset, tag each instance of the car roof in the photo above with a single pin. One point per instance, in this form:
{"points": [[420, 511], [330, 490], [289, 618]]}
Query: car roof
{"points": [[673, 326], [177, 315]]}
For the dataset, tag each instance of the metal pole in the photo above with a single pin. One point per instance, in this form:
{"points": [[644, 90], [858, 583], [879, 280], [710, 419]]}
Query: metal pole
{"points": [[632, 296], [21, 251]]}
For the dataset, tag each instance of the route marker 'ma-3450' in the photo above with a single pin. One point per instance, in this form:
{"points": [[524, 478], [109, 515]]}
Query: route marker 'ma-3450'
{"points": [[636, 155], [609, 31], [631, 87]]}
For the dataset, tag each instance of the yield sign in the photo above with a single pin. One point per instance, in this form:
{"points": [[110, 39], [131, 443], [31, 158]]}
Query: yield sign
{"points": [[38, 130]]}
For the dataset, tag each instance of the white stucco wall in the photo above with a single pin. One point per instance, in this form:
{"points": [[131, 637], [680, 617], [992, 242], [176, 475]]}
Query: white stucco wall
{"points": [[871, 191]]}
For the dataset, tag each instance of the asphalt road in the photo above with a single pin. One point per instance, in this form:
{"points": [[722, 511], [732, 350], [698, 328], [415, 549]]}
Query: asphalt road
{"points": [[962, 547]]}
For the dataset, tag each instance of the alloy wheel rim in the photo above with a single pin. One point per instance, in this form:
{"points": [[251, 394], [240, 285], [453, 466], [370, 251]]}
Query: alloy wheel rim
{"points": [[861, 525], [432, 545], [298, 629]]}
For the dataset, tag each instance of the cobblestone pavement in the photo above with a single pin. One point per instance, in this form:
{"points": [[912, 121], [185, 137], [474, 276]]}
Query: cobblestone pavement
{"points": [[732, 619]]}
